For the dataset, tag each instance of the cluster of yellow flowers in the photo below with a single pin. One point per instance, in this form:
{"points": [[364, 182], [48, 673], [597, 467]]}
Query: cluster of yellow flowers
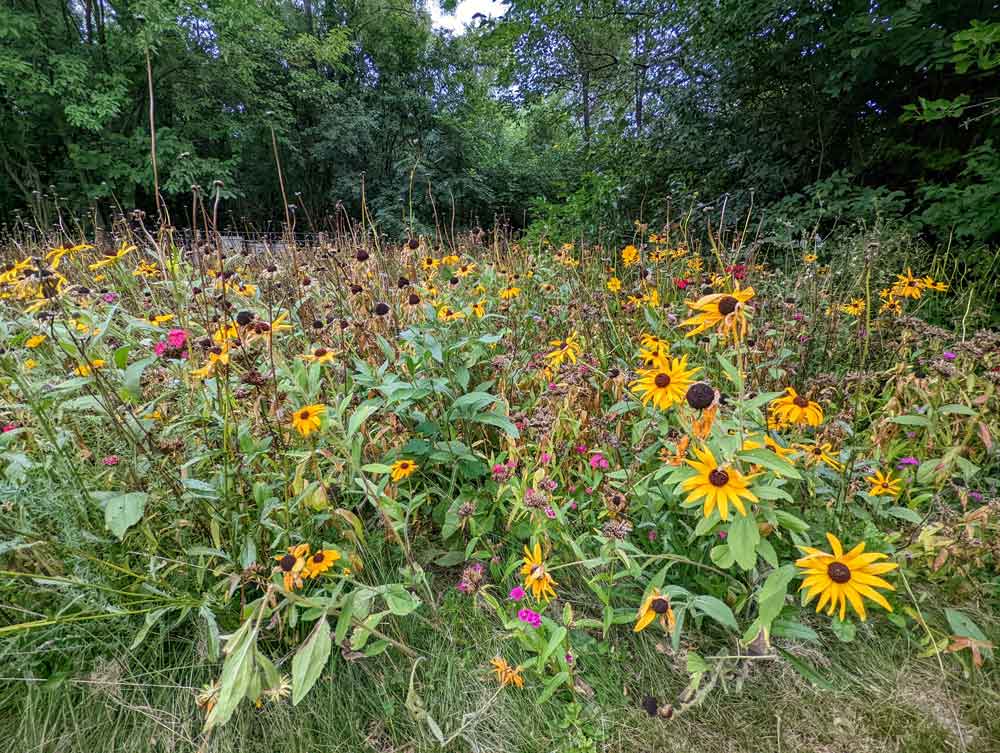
{"points": [[300, 564], [908, 286]]}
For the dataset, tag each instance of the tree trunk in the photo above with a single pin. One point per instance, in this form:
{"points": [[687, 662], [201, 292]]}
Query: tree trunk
{"points": [[585, 97]]}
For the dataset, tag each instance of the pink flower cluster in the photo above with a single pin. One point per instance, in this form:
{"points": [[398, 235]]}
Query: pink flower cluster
{"points": [[175, 342], [503, 471], [530, 617], [598, 462]]}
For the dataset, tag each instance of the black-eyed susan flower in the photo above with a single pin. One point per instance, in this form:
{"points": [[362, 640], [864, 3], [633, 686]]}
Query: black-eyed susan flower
{"points": [[614, 285], [929, 283], [797, 409], [113, 256], [448, 314], [725, 312], [319, 562], [884, 485], [479, 309], [86, 369], [292, 566], [820, 453], [717, 485], [665, 382], [564, 350], [506, 674], [402, 469], [907, 286], [537, 578], [307, 419], [509, 293], [855, 308], [319, 355], [630, 255], [34, 341], [655, 607], [839, 578]]}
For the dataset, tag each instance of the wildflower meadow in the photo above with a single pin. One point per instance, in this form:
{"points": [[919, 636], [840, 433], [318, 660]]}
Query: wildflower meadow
{"points": [[654, 472]]}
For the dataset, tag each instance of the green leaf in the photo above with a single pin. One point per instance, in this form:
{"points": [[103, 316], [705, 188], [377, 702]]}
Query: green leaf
{"points": [[789, 521], [360, 415], [714, 608], [400, 601], [379, 468], [123, 511], [722, 556], [844, 630], [237, 672], [551, 686], [764, 457], [501, 422], [743, 539], [310, 659], [911, 420], [905, 513], [151, 619], [473, 401], [555, 640], [696, 663], [806, 670], [953, 408]]}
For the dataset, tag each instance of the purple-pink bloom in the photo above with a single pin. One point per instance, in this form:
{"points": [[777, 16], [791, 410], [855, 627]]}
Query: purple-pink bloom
{"points": [[977, 496], [599, 462], [110, 460], [549, 512], [109, 297], [160, 348], [176, 338], [651, 535], [581, 449], [530, 617], [908, 460], [516, 593], [948, 356], [545, 458]]}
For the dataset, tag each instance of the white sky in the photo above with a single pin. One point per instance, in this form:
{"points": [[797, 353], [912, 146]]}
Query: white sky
{"points": [[464, 13]]}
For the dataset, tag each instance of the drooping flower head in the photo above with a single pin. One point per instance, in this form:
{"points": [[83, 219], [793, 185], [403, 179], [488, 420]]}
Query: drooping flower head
{"points": [[536, 577], [725, 312]]}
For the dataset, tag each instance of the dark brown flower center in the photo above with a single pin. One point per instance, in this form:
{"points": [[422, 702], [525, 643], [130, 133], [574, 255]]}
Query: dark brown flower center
{"points": [[318, 558], [718, 477], [801, 401], [660, 605], [319, 352], [700, 395], [838, 572], [727, 305], [287, 563], [662, 380], [304, 415]]}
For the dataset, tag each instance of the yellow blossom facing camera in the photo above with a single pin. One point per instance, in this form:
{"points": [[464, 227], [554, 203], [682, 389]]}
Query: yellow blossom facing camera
{"points": [[718, 486], [509, 293], [564, 350], [884, 485], [797, 409], [306, 420], [537, 578], [319, 562], [665, 382], [630, 255], [614, 284], [86, 369], [403, 469], [839, 579], [34, 341]]}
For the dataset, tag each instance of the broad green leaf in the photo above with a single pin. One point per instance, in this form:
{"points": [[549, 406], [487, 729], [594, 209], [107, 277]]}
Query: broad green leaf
{"points": [[309, 660], [742, 539], [123, 511], [360, 415]]}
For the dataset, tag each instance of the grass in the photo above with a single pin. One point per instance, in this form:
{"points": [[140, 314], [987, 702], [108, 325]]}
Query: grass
{"points": [[881, 698]]}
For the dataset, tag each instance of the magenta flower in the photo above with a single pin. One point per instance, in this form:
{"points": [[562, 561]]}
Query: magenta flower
{"points": [[9, 427], [581, 449], [598, 462], [160, 348], [176, 338], [550, 513], [516, 593], [545, 459], [948, 356], [109, 297], [908, 460], [530, 617], [110, 460]]}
